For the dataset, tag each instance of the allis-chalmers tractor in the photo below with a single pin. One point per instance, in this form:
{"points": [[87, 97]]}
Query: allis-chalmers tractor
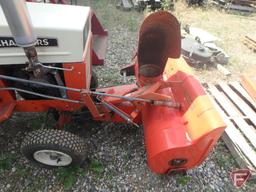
{"points": [[46, 56]]}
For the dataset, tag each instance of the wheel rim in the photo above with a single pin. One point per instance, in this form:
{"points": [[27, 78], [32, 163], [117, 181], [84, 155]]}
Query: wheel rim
{"points": [[52, 158]]}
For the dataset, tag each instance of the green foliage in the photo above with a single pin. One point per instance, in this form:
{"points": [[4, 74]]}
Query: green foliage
{"points": [[6, 161], [22, 171], [184, 180], [96, 166], [131, 23], [224, 160], [251, 184], [166, 4], [37, 184], [110, 175], [161, 176], [68, 175], [37, 123]]}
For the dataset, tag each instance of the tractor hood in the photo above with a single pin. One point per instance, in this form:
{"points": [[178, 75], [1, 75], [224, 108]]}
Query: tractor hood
{"points": [[62, 32]]}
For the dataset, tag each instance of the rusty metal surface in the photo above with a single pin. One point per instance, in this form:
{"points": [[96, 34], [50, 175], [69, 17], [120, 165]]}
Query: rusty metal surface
{"points": [[159, 39]]}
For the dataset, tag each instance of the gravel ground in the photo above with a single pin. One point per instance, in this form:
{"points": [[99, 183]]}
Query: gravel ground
{"points": [[116, 162], [116, 158]]}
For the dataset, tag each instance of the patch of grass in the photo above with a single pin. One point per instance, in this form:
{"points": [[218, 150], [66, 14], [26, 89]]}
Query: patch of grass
{"points": [[225, 160], [126, 156], [251, 184], [110, 175], [36, 185], [161, 176], [184, 180], [111, 17], [22, 171], [167, 4], [225, 27], [132, 24], [67, 176], [36, 124], [6, 161], [221, 161], [96, 166]]}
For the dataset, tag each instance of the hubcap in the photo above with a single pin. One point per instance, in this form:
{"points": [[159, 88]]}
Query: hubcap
{"points": [[52, 158]]}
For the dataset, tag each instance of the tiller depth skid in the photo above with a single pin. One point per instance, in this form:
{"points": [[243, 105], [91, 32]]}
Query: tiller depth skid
{"points": [[46, 65]]}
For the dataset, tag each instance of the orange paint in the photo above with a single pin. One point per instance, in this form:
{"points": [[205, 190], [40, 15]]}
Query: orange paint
{"points": [[187, 135], [249, 83]]}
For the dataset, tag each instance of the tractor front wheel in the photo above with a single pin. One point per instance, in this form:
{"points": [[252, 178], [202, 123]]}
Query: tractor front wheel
{"points": [[51, 148]]}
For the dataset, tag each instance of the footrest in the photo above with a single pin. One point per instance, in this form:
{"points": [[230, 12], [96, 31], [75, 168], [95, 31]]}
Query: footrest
{"points": [[6, 111]]}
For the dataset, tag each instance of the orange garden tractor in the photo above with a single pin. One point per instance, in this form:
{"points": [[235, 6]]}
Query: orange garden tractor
{"points": [[46, 57]]}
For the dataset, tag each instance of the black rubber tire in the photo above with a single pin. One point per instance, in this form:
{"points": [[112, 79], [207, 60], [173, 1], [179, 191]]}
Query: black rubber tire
{"points": [[52, 139]]}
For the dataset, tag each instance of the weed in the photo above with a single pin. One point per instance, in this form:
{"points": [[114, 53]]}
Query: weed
{"points": [[167, 4], [251, 184], [6, 161], [96, 166], [126, 156], [184, 180], [224, 160], [161, 176], [221, 161], [131, 23], [68, 176], [36, 185], [110, 175], [22, 171], [37, 123]]}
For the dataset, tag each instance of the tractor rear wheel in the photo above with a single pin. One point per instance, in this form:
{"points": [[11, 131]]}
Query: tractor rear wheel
{"points": [[51, 148]]}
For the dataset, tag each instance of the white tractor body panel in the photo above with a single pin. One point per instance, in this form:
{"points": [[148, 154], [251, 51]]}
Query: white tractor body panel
{"points": [[61, 30]]}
